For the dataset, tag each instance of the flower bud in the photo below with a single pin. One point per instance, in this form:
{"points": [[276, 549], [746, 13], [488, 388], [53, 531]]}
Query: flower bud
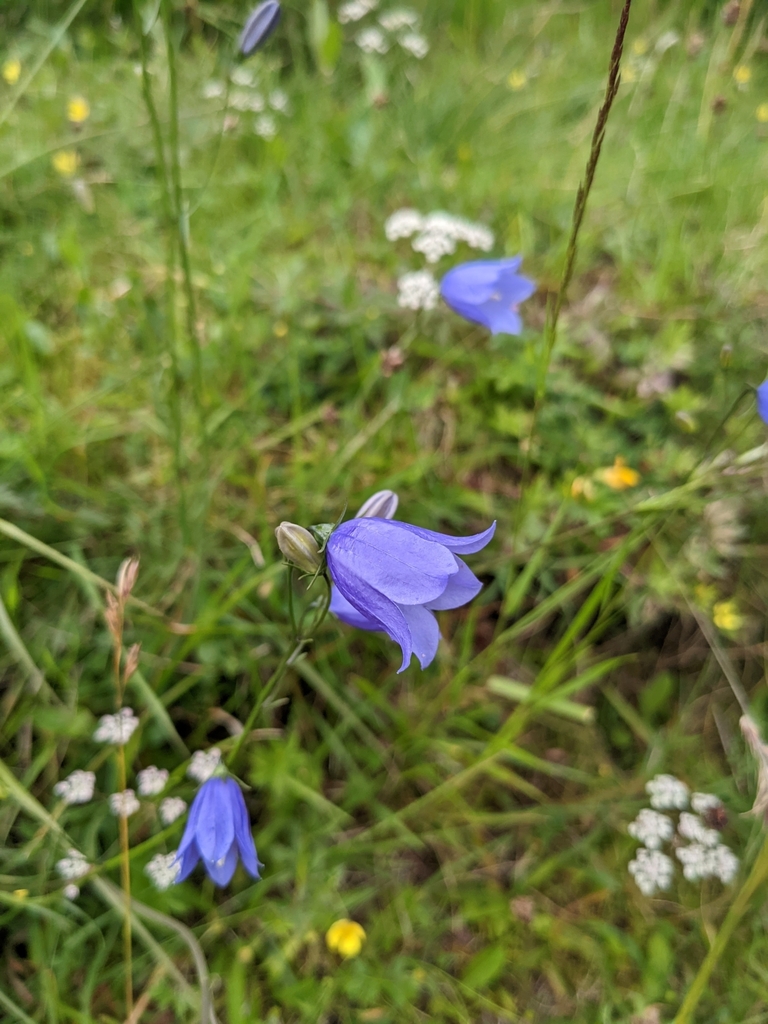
{"points": [[260, 25], [299, 547], [126, 577], [381, 505]]}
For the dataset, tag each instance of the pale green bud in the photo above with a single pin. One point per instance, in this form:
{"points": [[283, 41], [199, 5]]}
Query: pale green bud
{"points": [[299, 547], [381, 505]]}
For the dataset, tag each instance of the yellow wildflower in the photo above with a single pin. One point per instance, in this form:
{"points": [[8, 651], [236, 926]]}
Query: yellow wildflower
{"points": [[742, 74], [628, 74], [762, 113], [12, 71], [21, 894], [640, 46], [517, 80], [582, 487], [66, 162], [280, 329], [619, 476], [78, 110], [727, 616], [345, 937]]}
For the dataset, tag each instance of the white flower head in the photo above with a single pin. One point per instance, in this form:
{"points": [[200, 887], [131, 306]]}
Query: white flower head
{"points": [[124, 804], [74, 865], [703, 802], [243, 101], [418, 290], [692, 827], [242, 75], [152, 780], [701, 861], [372, 40], [70, 891], [171, 808], [476, 236], [278, 100], [667, 793], [651, 828], [434, 243], [402, 224], [354, 10], [415, 44], [77, 788], [397, 19], [203, 764], [117, 728], [213, 90], [163, 870], [651, 870], [265, 126]]}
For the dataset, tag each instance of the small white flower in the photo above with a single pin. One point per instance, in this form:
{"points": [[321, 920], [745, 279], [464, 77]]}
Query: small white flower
{"points": [[77, 788], [418, 290], [354, 10], [372, 40], [434, 243], [213, 90], [666, 41], [701, 861], [265, 126], [241, 100], [71, 891], [152, 780], [651, 870], [703, 802], [724, 863], [278, 100], [651, 828], [170, 809], [397, 19], [124, 804], [667, 793], [692, 827], [242, 75], [74, 865], [203, 764], [163, 870], [117, 728], [403, 224], [415, 44], [476, 236]]}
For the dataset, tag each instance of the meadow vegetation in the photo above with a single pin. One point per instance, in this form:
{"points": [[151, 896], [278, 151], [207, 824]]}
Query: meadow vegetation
{"points": [[200, 338]]}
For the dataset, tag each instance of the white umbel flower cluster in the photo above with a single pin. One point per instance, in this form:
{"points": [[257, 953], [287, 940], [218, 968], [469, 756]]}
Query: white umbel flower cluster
{"points": [[354, 10], [652, 870], [415, 44], [163, 870], [417, 290], [77, 788], [71, 891], [372, 40], [265, 126], [438, 233], [245, 101], [170, 809], [701, 861], [124, 804], [398, 19], [696, 846], [152, 780], [651, 828], [667, 793], [73, 866], [118, 728], [203, 764]]}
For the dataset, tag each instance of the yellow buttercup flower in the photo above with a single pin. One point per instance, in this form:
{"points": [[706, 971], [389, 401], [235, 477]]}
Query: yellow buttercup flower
{"points": [[345, 937], [66, 162], [727, 616], [78, 110], [742, 74], [619, 476], [517, 80], [762, 113], [12, 71]]}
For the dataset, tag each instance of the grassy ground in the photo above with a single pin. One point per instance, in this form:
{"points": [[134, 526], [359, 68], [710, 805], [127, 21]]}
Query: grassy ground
{"points": [[482, 844]]}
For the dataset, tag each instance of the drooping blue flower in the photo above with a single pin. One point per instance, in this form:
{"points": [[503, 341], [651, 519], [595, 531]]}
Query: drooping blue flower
{"points": [[488, 292], [762, 401], [390, 576], [217, 830], [260, 25]]}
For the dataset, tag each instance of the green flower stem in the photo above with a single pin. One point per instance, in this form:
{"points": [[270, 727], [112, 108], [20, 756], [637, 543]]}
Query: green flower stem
{"points": [[284, 664], [740, 905]]}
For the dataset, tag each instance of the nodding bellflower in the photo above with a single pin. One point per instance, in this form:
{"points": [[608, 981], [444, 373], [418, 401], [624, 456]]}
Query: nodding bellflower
{"points": [[261, 23], [217, 830], [390, 577], [488, 292], [762, 401]]}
